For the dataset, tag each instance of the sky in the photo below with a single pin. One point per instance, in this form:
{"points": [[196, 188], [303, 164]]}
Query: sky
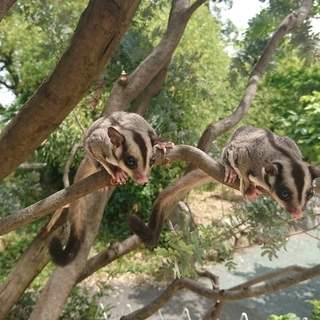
{"points": [[241, 12]]}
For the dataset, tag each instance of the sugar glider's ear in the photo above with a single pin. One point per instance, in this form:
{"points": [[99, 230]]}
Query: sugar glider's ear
{"points": [[116, 138], [271, 168], [156, 139]]}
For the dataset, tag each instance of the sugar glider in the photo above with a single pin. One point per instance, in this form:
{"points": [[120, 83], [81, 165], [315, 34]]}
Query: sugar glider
{"points": [[260, 158], [123, 144]]}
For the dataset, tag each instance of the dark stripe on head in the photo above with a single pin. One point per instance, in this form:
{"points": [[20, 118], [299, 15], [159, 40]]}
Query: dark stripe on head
{"points": [[299, 178], [124, 153], [142, 144], [297, 172], [279, 179], [271, 137]]}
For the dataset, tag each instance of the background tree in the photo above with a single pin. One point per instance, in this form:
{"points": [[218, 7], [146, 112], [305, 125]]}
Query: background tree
{"points": [[196, 92]]}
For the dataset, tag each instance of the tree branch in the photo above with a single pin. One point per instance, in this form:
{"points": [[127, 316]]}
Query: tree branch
{"points": [[120, 96], [66, 182], [92, 183], [210, 169], [5, 5], [242, 291], [57, 200], [141, 102], [93, 44], [25, 270], [54, 294], [214, 130]]}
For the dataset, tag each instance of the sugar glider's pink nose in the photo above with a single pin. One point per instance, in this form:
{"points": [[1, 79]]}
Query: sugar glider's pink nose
{"points": [[141, 178], [296, 212]]}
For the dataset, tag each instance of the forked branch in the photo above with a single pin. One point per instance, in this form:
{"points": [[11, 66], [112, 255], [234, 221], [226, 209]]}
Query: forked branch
{"points": [[273, 281]]}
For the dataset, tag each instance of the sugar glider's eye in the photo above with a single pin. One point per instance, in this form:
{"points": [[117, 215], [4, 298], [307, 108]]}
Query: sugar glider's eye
{"points": [[310, 194], [152, 161], [284, 194], [130, 162]]}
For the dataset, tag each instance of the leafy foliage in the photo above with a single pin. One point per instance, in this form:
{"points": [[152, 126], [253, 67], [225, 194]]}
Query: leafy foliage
{"points": [[262, 222], [32, 39], [316, 309], [181, 251], [81, 305], [19, 190], [289, 316], [293, 103], [12, 246], [306, 131]]}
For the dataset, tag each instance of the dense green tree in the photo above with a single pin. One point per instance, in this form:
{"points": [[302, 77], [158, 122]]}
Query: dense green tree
{"points": [[293, 74]]}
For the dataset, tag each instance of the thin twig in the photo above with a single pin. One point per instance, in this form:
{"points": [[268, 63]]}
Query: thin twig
{"points": [[78, 121], [65, 179]]}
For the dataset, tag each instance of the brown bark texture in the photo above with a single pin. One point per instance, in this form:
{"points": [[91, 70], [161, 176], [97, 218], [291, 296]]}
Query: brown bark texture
{"points": [[5, 6], [95, 40]]}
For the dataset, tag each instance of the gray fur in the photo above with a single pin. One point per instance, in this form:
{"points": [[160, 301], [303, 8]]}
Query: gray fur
{"points": [[114, 139], [262, 159]]}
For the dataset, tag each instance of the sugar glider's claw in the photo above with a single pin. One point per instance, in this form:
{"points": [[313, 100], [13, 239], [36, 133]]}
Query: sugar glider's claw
{"points": [[164, 145], [230, 175]]}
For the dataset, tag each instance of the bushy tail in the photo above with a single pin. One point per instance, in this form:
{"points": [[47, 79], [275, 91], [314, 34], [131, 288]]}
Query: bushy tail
{"points": [[149, 234], [77, 217], [61, 256]]}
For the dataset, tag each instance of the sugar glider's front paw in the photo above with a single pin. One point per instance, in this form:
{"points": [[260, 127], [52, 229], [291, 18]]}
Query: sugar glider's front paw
{"points": [[164, 145], [230, 175], [121, 176], [252, 193]]}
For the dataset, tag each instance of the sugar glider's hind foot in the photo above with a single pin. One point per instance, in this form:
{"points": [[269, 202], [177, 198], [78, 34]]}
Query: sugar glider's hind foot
{"points": [[162, 145], [230, 175], [252, 193]]}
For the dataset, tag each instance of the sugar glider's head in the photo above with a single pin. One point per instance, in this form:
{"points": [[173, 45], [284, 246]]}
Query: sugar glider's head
{"points": [[291, 184], [133, 152]]}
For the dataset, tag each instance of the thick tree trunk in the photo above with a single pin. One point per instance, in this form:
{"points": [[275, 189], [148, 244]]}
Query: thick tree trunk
{"points": [[96, 39], [54, 295]]}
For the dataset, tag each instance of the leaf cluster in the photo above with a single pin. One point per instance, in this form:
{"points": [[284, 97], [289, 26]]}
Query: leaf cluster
{"points": [[291, 316], [262, 223], [82, 304], [33, 37]]}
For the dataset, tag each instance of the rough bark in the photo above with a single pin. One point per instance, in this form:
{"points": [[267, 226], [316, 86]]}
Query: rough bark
{"points": [[5, 6], [120, 96], [96, 39], [141, 102]]}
